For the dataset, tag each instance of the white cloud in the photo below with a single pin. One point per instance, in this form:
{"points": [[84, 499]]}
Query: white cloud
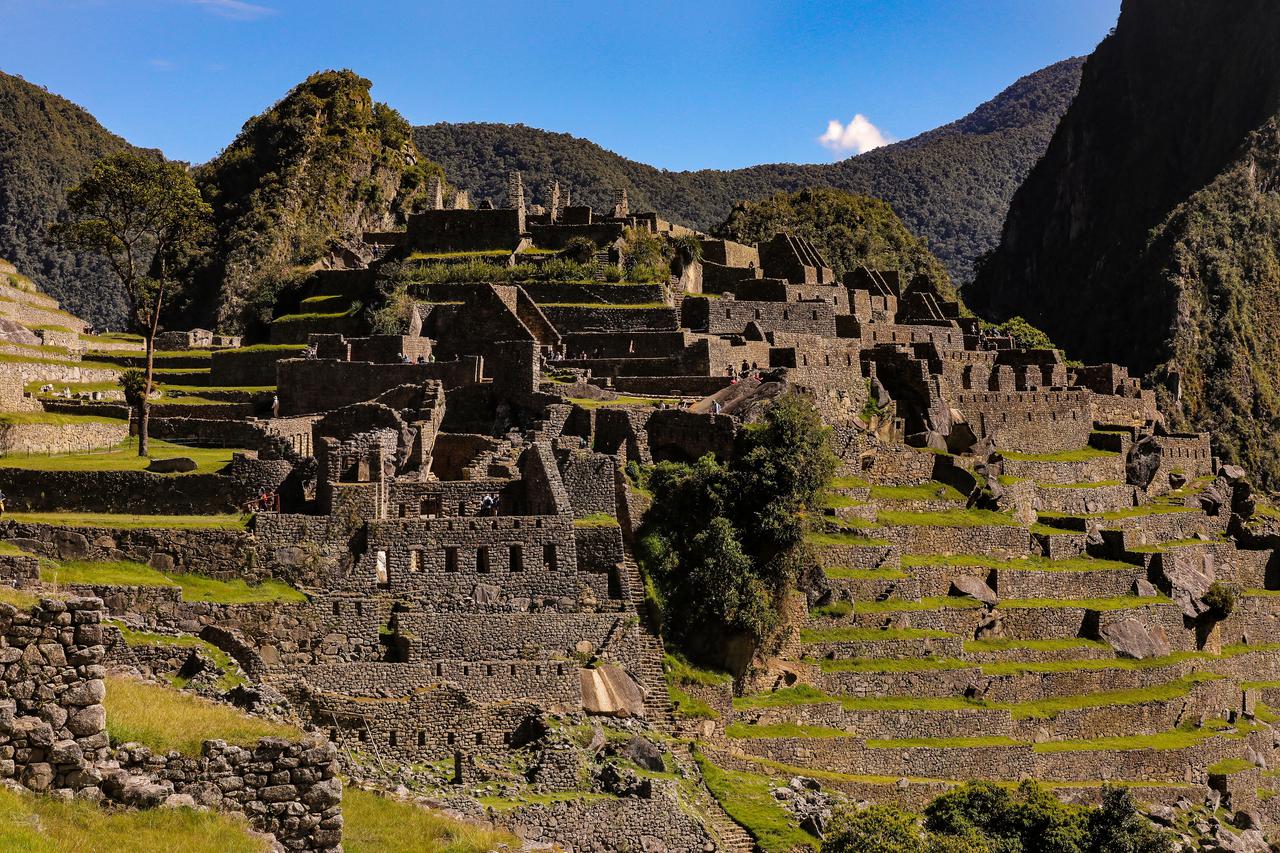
{"points": [[859, 136], [162, 64], [236, 10]]}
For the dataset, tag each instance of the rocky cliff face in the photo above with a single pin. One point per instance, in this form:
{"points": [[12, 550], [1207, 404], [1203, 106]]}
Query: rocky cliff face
{"points": [[306, 176], [1149, 233]]}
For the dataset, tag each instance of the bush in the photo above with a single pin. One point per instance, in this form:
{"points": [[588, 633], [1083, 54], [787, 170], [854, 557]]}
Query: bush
{"points": [[1220, 600], [879, 828], [1025, 335], [579, 249]]}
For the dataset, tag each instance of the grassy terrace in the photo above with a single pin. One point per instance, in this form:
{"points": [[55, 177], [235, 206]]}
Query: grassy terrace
{"points": [[1179, 738], [8, 358], [868, 635], [1030, 564], [378, 824], [124, 457], [1121, 514], [901, 606], [1037, 709], [595, 520], [889, 664], [194, 587], [864, 574], [933, 491], [54, 419], [116, 521], [1055, 645], [35, 824], [1083, 454], [166, 719], [1125, 602], [620, 400], [849, 483], [947, 518]]}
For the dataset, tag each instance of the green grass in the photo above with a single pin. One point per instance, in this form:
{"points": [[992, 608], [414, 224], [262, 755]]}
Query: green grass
{"points": [[1082, 455], [1085, 485], [835, 501], [932, 491], [313, 316], [864, 574], [19, 598], [123, 458], [947, 518], [1124, 602], [834, 609], [377, 824], [479, 253], [165, 719], [942, 742], [620, 400], [782, 730], [1090, 664], [868, 635], [1047, 708], [1030, 564], [596, 519], [747, 799], [680, 673], [1228, 766], [194, 587], [890, 605], [7, 358], [54, 419], [1179, 738], [131, 522], [849, 483], [979, 646], [35, 824], [803, 694], [836, 538], [890, 664]]}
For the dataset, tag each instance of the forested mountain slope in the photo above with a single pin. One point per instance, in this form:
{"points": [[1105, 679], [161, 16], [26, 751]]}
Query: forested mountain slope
{"points": [[951, 185]]}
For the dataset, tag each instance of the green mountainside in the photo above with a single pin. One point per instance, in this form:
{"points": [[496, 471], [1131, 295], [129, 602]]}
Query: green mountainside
{"points": [[950, 185], [321, 166], [1150, 232], [47, 144]]}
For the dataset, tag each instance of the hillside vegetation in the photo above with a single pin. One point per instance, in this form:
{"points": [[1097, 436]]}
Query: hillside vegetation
{"points": [[311, 173], [951, 185], [849, 230], [47, 145], [1150, 232]]}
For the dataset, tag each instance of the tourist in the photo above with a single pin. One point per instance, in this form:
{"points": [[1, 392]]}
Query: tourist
{"points": [[2, 500], [275, 406], [715, 407], [422, 359], [486, 503]]}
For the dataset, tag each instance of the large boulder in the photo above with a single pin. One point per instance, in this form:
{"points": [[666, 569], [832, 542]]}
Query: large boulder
{"points": [[1131, 639], [644, 753], [973, 587], [1188, 574], [1143, 461], [175, 465], [609, 690]]}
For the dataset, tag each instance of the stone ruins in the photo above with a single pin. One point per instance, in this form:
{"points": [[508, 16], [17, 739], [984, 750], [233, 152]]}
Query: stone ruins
{"points": [[1023, 569]]}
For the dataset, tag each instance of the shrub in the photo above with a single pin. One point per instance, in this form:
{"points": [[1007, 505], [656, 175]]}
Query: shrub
{"points": [[579, 249], [880, 828], [1220, 600]]}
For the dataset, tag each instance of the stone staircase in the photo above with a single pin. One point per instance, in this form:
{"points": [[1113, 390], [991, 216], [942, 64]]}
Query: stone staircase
{"points": [[732, 837]]}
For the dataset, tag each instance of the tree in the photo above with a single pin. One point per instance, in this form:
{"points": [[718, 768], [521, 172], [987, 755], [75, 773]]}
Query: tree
{"points": [[140, 213], [724, 541], [880, 828], [1116, 826]]}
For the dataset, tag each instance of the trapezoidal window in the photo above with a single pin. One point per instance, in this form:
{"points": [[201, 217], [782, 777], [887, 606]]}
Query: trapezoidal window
{"points": [[516, 558], [549, 557], [450, 559], [415, 560], [482, 559], [380, 569], [430, 507]]}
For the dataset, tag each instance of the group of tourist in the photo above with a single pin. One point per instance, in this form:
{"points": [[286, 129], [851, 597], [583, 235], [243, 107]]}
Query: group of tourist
{"points": [[749, 371], [422, 359], [489, 504]]}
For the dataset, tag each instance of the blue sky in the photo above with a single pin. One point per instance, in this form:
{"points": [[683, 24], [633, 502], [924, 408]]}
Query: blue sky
{"points": [[681, 85]]}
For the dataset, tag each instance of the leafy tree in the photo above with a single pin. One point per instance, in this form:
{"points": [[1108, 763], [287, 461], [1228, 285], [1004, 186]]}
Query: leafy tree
{"points": [[1023, 333], [1028, 820], [724, 540], [1220, 600], [1116, 826], [579, 249], [141, 214]]}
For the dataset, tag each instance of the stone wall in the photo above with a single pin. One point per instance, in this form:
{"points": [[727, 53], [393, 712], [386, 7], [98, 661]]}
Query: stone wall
{"points": [[653, 824], [216, 553], [289, 789], [322, 385], [1029, 421], [252, 367], [580, 318], [62, 438], [52, 722]]}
